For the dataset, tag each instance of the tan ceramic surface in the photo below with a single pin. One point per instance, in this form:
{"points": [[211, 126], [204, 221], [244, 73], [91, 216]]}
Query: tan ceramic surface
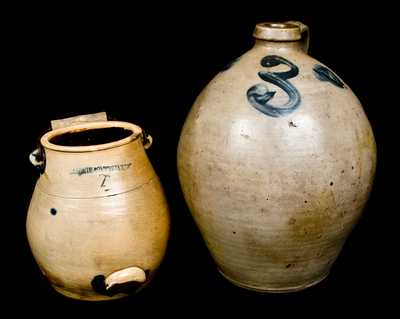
{"points": [[102, 224], [276, 198]]}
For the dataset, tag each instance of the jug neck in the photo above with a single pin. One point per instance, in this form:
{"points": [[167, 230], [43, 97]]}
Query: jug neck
{"points": [[291, 35]]}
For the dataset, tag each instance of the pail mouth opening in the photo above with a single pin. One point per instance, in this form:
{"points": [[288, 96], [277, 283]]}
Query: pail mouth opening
{"points": [[92, 136]]}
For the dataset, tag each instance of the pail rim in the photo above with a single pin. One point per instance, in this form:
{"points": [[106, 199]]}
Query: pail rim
{"points": [[136, 133]]}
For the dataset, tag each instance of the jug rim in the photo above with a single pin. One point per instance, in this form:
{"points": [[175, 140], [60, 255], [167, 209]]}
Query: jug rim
{"points": [[136, 133], [280, 31]]}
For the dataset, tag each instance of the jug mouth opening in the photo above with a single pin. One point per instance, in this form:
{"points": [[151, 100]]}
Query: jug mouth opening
{"points": [[277, 31], [89, 137]]}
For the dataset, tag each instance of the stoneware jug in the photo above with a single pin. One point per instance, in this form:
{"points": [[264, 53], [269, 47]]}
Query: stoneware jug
{"points": [[98, 221], [276, 160]]}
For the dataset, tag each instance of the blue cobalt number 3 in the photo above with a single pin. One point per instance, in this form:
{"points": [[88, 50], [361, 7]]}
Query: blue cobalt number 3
{"points": [[259, 96]]}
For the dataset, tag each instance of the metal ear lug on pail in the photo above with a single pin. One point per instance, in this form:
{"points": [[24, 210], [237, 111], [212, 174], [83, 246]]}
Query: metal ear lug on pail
{"points": [[147, 140], [38, 159]]}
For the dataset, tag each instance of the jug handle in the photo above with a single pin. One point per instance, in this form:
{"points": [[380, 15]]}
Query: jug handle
{"points": [[305, 34], [131, 274], [37, 158]]}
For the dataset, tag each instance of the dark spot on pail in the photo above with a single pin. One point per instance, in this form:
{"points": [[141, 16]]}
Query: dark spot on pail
{"points": [[305, 202], [289, 265], [331, 183], [234, 232], [99, 285], [53, 211]]}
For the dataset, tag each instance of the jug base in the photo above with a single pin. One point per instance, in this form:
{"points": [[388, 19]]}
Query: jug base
{"points": [[86, 297], [275, 290]]}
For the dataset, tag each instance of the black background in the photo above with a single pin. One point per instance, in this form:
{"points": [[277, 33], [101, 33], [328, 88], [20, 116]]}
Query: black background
{"points": [[146, 66]]}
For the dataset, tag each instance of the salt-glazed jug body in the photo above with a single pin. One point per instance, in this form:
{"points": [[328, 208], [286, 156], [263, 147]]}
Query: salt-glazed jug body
{"points": [[276, 160], [98, 221]]}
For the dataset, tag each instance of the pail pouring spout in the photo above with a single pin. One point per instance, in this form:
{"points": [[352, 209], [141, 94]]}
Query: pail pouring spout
{"points": [[124, 276]]}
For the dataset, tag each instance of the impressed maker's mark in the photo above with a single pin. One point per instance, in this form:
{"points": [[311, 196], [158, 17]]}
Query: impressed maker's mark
{"points": [[99, 169]]}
